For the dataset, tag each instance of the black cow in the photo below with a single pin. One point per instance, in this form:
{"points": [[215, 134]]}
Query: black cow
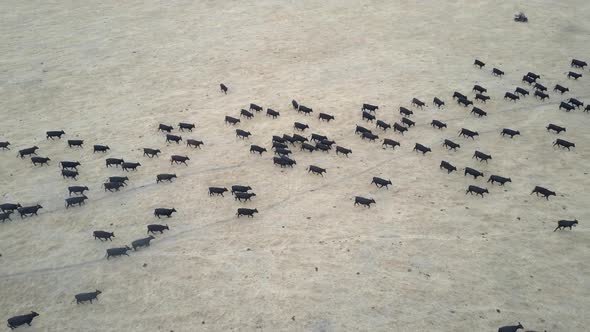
{"points": [[327, 117], [127, 166], [27, 152], [574, 75], [256, 148], [16, 321], [65, 173], [464, 101], [417, 102], [481, 156], [145, 242], [29, 210], [511, 328], [564, 144], [164, 212], [408, 122], [100, 148], [398, 127], [247, 114], [301, 139], [438, 124], [368, 116], [103, 235], [479, 64], [543, 191], [369, 107], [278, 139], [75, 142], [405, 112], [71, 201], [305, 110], [242, 134], [380, 183], [363, 201], [562, 224], [240, 189], [9, 207], [389, 142], [173, 138], [509, 132], [343, 150], [282, 152], [255, 107], [587, 109], [371, 137], [501, 180], [121, 179], [540, 87], [151, 152], [166, 128], [478, 111], [477, 190], [383, 125], [153, 228], [575, 102], [446, 165], [360, 130], [5, 216], [521, 91], [244, 196], [165, 177], [289, 139], [223, 88], [193, 143], [115, 252], [52, 134], [451, 145], [541, 94], [578, 63], [555, 128], [528, 79], [85, 297], [183, 125], [459, 95], [217, 191], [560, 88], [308, 147], [327, 148], [438, 102], [566, 106], [273, 113], [295, 104], [179, 159], [40, 160], [479, 89], [317, 137], [481, 97], [70, 164], [474, 172], [421, 148], [497, 72], [511, 96], [300, 126], [533, 75], [231, 120], [277, 145], [246, 212], [110, 186], [468, 133], [328, 142], [316, 170], [4, 145], [284, 161]]}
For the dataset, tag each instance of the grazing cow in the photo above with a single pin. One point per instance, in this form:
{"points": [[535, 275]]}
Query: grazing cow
{"points": [[574, 75], [479, 89], [408, 122], [511, 328], [110, 186], [327, 117], [511, 96], [165, 177], [217, 191], [451, 145], [308, 147], [317, 137], [474, 172], [247, 114], [305, 110], [371, 137], [164, 212], [521, 91], [438, 124], [153, 228], [231, 120], [343, 150], [246, 212], [479, 64], [446, 165], [368, 116], [421, 148], [417, 102], [9, 207], [323, 147], [4, 145], [173, 138], [179, 159], [100, 148], [188, 126], [398, 127], [459, 95], [145, 242], [481, 156], [85, 297], [121, 179], [70, 164], [481, 97], [477, 190], [5, 216], [555, 128], [295, 104], [115, 252], [528, 79], [151, 152], [65, 173], [501, 180], [563, 224], [278, 139], [567, 106], [282, 152], [560, 88], [464, 101], [166, 128], [193, 143], [255, 107], [363, 201], [103, 235], [369, 107], [405, 112], [240, 189], [383, 125], [478, 111], [27, 152], [52, 134], [389, 142], [497, 72], [256, 148], [543, 191], [242, 134], [16, 321], [509, 132], [40, 160], [540, 87], [541, 94], [300, 126], [75, 142], [380, 183], [130, 166], [575, 102], [578, 63], [438, 102], [29, 210], [273, 113], [468, 133], [316, 170], [244, 196], [360, 130], [71, 201], [223, 88], [564, 144]]}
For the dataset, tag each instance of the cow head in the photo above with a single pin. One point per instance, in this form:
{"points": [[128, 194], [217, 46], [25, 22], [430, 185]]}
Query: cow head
{"points": [[151, 237], [34, 314]]}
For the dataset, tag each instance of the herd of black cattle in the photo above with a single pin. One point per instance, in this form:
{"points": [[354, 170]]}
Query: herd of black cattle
{"points": [[280, 145]]}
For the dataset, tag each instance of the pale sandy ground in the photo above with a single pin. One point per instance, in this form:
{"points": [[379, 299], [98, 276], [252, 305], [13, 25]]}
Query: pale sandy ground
{"points": [[425, 258]]}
